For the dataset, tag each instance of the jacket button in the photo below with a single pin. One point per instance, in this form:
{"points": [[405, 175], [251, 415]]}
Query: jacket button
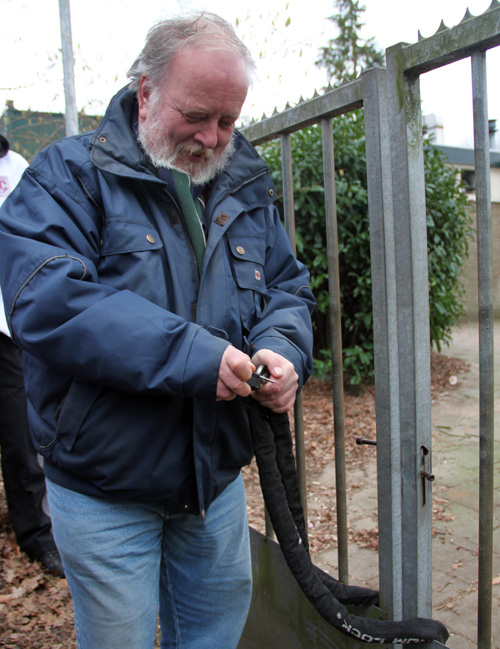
{"points": [[240, 250], [150, 238], [102, 139], [271, 192]]}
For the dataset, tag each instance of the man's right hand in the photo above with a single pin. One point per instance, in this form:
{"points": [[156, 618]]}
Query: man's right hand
{"points": [[235, 370]]}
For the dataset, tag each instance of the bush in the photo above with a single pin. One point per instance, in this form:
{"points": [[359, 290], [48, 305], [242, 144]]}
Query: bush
{"points": [[449, 228]]}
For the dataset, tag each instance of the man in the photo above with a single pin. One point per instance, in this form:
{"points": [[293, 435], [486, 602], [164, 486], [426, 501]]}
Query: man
{"points": [[146, 274], [23, 477]]}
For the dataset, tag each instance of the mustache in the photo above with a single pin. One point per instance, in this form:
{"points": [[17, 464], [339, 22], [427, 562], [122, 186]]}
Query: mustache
{"points": [[196, 149]]}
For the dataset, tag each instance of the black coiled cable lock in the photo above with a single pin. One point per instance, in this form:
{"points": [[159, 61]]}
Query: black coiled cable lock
{"points": [[273, 449]]}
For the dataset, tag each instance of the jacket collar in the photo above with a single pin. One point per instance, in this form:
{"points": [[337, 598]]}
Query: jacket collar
{"points": [[114, 148]]}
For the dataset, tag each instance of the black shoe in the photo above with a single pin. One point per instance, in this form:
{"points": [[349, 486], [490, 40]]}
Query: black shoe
{"points": [[51, 561]]}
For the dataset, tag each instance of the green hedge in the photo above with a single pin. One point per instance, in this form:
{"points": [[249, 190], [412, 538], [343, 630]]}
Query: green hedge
{"points": [[449, 229]]}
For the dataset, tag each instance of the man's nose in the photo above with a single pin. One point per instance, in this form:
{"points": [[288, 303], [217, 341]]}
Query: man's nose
{"points": [[208, 134]]}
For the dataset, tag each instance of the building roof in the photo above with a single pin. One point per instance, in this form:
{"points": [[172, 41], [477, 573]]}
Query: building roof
{"points": [[462, 156]]}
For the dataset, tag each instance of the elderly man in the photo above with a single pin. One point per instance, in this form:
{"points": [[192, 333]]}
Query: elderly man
{"points": [[146, 274]]}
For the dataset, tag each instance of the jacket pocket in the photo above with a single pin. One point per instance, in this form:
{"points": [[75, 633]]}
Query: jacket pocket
{"points": [[120, 236], [77, 403], [247, 260], [132, 259]]}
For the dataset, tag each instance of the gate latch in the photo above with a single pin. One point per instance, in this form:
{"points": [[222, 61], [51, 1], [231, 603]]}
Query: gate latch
{"points": [[425, 474]]}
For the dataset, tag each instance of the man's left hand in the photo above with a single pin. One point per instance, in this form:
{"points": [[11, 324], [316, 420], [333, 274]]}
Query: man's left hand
{"points": [[280, 395]]}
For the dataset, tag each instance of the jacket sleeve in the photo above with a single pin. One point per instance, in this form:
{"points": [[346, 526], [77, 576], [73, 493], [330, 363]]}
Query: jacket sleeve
{"points": [[285, 323], [59, 312]]}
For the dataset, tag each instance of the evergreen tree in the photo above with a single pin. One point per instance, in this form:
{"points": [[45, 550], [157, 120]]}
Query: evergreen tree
{"points": [[346, 55]]}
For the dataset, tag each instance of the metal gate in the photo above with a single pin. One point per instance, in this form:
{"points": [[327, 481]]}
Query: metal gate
{"points": [[390, 98]]}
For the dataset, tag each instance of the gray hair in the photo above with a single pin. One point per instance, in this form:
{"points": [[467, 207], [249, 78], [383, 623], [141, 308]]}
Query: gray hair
{"points": [[197, 29]]}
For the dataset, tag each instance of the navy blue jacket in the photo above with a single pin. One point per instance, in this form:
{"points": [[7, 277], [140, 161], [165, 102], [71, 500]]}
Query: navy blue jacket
{"points": [[122, 340]]}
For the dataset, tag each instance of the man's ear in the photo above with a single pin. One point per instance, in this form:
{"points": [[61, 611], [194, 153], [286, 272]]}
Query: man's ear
{"points": [[144, 96]]}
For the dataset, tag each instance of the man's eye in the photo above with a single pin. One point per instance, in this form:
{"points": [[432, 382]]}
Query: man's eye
{"points": [[192, 118]]}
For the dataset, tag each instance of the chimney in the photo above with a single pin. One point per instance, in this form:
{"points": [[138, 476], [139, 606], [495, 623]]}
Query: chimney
{"points": [[434, 125], [492, 128]]}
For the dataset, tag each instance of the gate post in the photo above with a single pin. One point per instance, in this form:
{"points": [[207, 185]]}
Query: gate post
{"points": [[413, 334]]}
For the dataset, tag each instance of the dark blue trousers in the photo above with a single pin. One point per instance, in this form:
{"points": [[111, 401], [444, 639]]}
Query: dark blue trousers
{"points": [[23, 477]]}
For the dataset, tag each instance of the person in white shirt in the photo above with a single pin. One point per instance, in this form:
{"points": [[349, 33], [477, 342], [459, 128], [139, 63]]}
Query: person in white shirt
{"points": [[23, 477]]}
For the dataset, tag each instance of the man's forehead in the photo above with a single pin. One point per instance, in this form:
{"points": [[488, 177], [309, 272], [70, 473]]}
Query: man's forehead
{"points": [[194, 67], [202, 82]]}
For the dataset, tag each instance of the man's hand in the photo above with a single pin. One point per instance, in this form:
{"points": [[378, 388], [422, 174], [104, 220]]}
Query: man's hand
{"points": [[235, 370], [278, 396]]}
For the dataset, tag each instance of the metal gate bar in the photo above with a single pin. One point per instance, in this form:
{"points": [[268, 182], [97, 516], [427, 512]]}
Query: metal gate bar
{"points": [[289, 214], [486, 349], [332, 247]]}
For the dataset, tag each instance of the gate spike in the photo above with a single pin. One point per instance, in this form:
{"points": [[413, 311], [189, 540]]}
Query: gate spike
{"points": [[442, 27], [467, 16]]}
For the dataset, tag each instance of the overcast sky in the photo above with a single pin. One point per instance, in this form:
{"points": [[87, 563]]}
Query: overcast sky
{"points": [[283, 36]]}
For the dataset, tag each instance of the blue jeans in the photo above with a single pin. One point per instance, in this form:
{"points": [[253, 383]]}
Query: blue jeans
{"points": [[125, 562]]}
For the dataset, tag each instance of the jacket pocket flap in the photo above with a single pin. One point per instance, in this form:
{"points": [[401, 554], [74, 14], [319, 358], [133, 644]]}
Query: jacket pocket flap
{"points": [[248, 248], [248, 262], [122, 236]]}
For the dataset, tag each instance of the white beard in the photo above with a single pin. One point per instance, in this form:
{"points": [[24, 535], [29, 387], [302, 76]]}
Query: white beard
{"points": [[163, 155]]}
